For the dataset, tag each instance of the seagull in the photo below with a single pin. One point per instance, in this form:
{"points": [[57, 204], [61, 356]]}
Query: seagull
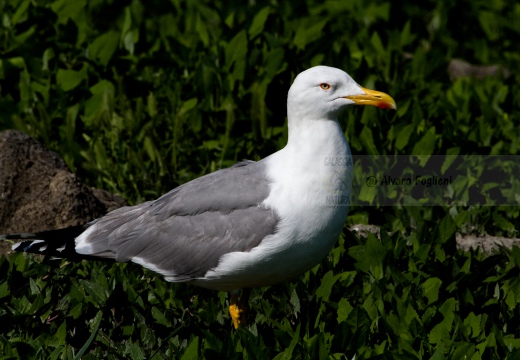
{"points": [[254, 224]]}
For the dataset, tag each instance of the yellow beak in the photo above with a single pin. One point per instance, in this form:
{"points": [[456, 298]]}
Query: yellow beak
{"points": [[373, 98]]}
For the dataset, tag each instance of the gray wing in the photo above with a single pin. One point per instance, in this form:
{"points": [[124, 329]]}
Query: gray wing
{"points": [[184, 233]]}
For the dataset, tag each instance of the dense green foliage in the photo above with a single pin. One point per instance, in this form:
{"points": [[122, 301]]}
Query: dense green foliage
{"points": [[141, 96]]}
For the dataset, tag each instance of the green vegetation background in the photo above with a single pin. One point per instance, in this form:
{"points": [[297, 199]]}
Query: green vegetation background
{"points": [[141, 96]]}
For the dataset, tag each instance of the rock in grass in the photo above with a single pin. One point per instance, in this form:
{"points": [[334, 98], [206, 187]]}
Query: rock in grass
{"points": [[38, 192]]}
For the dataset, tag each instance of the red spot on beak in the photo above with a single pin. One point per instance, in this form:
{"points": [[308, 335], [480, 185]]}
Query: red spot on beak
{"points": [[383, 105]]}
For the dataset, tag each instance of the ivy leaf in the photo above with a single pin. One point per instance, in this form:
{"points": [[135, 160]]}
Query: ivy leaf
{"points": [[257, 26], [344, 309], [431, 289], [104, 46], [69, 79]]}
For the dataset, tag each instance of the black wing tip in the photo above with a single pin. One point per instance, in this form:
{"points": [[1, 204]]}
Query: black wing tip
{"points": [[21, 236]]}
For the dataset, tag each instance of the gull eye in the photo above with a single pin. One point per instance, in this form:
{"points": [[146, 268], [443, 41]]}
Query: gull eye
{"points": [[325, 86]]}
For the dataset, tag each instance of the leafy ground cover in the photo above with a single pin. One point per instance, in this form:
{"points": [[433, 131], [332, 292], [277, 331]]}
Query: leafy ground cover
{"points": [[139, 97]]}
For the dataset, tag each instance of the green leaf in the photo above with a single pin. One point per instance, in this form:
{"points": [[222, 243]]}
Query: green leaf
{"points": [[76, 311], [295, 301], [425, 146], [48, 55], [370, 307], [151, 105], [288, 353], [438, 354], [367, 139], [127, 24], [98, 293], [129, 41], [257, 26], [69, 79], [403, 136], [188, 105], [376, 42], [376, 255], [473, 324], [512, 343], [431, 289], [446, 228], [308, 31], [192, 352], [18, 62], [501, 222], [236, 52], [134, 351], [34, 287], [367, 193], [159, 316], [61, 334], [488, 20], [449, 159], [406, 36], [441, 331], [66, 9], [344, 309], [21, 11], [274, 63], [4, 289], [325, 287], [100, 106], [104, 46], [149, 148], [488, 343]]}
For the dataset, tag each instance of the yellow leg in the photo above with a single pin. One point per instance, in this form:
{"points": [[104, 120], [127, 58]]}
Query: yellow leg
{"points": [[234, 310], [238, 309]]}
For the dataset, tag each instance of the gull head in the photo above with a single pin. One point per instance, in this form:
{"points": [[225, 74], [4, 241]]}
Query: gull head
{"points": [[322, 93]]}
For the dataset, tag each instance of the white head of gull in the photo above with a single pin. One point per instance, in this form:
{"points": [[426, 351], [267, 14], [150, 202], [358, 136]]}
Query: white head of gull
{"points": [[254, 224]]}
